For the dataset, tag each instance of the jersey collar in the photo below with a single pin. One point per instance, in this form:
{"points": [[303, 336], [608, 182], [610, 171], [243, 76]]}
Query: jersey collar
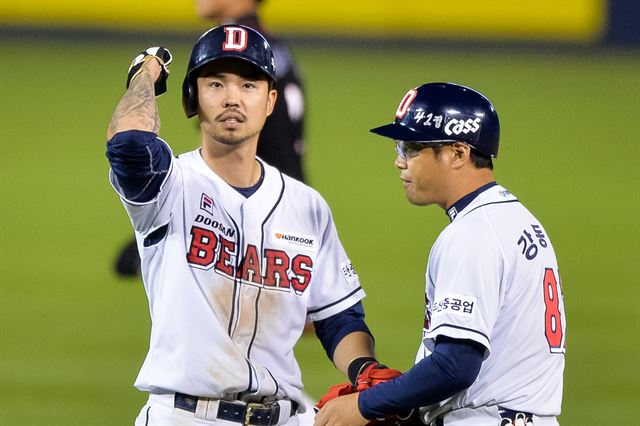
{"points": [[247, 192], [463, 202]]}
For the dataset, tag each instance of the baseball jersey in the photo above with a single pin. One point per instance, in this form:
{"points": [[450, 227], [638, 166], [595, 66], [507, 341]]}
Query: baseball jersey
{"points": [[232, 280], [492, 277]]}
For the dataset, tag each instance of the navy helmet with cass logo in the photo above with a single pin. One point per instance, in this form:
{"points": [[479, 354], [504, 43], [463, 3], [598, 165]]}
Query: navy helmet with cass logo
{"points": [[225, 41], [446, 112]]}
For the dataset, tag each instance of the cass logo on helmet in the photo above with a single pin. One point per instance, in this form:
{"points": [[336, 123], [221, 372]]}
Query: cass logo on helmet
{"points": [[445, 112], [456, 127]]}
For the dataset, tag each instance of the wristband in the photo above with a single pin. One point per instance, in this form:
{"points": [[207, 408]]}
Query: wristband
{"points": [[357, 365]]}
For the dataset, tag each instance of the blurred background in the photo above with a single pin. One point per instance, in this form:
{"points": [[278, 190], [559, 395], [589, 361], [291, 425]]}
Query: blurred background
{"points": [[564, 77]]}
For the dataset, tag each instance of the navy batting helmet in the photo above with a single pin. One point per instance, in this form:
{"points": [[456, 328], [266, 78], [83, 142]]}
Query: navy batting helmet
{"points": [[225, 41], [446, 112]]}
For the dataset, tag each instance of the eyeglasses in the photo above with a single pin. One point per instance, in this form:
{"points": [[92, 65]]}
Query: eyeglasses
{"points": [[409, 149]]}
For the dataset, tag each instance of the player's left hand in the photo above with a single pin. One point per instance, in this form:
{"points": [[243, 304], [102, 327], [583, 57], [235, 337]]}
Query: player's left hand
{"points": [[342, 411], [164, 58]]}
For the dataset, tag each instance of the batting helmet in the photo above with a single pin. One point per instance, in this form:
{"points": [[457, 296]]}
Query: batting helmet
{"points": [[225, 41], [446, 112]]}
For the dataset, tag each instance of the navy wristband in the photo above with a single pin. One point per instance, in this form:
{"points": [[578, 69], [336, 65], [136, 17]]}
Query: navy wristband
{"points": [[357, 365]]}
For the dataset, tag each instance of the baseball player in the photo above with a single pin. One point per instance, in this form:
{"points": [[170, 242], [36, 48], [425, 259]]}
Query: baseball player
{"points": [[493, 343], [236, 256], [281, 141]]}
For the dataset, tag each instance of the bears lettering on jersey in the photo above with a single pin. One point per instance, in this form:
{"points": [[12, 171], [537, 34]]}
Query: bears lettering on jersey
{"points": [[279, 271]]}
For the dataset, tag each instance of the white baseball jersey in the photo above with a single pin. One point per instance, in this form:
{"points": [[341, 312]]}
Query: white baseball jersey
{"points": [[232, 283], [492, 277]]}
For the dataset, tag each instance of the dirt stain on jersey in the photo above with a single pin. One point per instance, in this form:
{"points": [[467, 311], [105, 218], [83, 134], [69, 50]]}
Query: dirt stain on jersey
{"points": [[233, 375], [246, 324], [221, 299]]}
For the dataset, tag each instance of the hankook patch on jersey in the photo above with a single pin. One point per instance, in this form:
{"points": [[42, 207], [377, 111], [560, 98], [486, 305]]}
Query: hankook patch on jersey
{"points": [[455, 304], [294, 240]]}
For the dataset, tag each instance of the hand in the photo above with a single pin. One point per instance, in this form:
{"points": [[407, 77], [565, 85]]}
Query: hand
{"points": [[162, 56], [369, 374], [342, 411]]}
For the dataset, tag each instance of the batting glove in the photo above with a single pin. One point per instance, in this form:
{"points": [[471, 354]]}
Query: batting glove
{"points": [[164, 58]]}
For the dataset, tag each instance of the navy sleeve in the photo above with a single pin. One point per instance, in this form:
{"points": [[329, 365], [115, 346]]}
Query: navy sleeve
{"points": [[140, 162], [332, 330], [452, 367]]}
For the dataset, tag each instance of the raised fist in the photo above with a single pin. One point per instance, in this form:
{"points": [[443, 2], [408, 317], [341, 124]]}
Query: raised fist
{"points": [[163, 56]]}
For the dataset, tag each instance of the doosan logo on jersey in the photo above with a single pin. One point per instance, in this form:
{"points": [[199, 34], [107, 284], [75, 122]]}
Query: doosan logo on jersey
{"points": [[455, 127], [215, 225]]}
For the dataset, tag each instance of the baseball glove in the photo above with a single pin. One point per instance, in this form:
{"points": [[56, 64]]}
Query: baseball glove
{"points": [[164, 58], [373, 374]]}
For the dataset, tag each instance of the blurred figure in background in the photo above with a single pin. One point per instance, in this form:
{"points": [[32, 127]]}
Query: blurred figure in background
{"points": [[282, 138]]}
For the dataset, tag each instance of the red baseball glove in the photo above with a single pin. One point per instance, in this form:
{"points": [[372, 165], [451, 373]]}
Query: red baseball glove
{"points": [[372, 375]]}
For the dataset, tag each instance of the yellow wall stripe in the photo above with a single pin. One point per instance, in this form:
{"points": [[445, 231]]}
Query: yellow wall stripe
{"points": [[568, 20]]}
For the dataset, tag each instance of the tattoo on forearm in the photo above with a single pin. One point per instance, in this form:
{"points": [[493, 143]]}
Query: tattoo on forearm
{"points": [[138, 106]]}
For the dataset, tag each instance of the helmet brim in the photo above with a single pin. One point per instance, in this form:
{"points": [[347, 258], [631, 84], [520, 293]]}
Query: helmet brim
{"points": [[196, 71], [397, 132]]}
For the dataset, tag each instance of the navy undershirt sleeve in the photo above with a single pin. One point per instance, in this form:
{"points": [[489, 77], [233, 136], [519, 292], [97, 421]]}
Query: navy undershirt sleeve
{"points": [[452, 367], [140, 161], [332, 330]]}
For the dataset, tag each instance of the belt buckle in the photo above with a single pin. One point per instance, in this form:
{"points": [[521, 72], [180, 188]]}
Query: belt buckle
{"points": [[249, 412]]}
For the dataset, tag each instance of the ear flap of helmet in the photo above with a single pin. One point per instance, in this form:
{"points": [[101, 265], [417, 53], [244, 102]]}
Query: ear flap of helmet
{"points": [[189, 97]]}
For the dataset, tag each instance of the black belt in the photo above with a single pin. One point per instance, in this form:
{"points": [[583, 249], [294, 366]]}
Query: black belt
{"points": [[250, 413]]}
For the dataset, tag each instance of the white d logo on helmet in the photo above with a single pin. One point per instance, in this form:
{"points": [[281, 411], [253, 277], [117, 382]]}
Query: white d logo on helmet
{"points": [[405, 103], [236, 38]]}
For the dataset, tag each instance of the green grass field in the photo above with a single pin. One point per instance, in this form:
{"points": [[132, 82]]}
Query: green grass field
{"points": [[73, 335]]}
